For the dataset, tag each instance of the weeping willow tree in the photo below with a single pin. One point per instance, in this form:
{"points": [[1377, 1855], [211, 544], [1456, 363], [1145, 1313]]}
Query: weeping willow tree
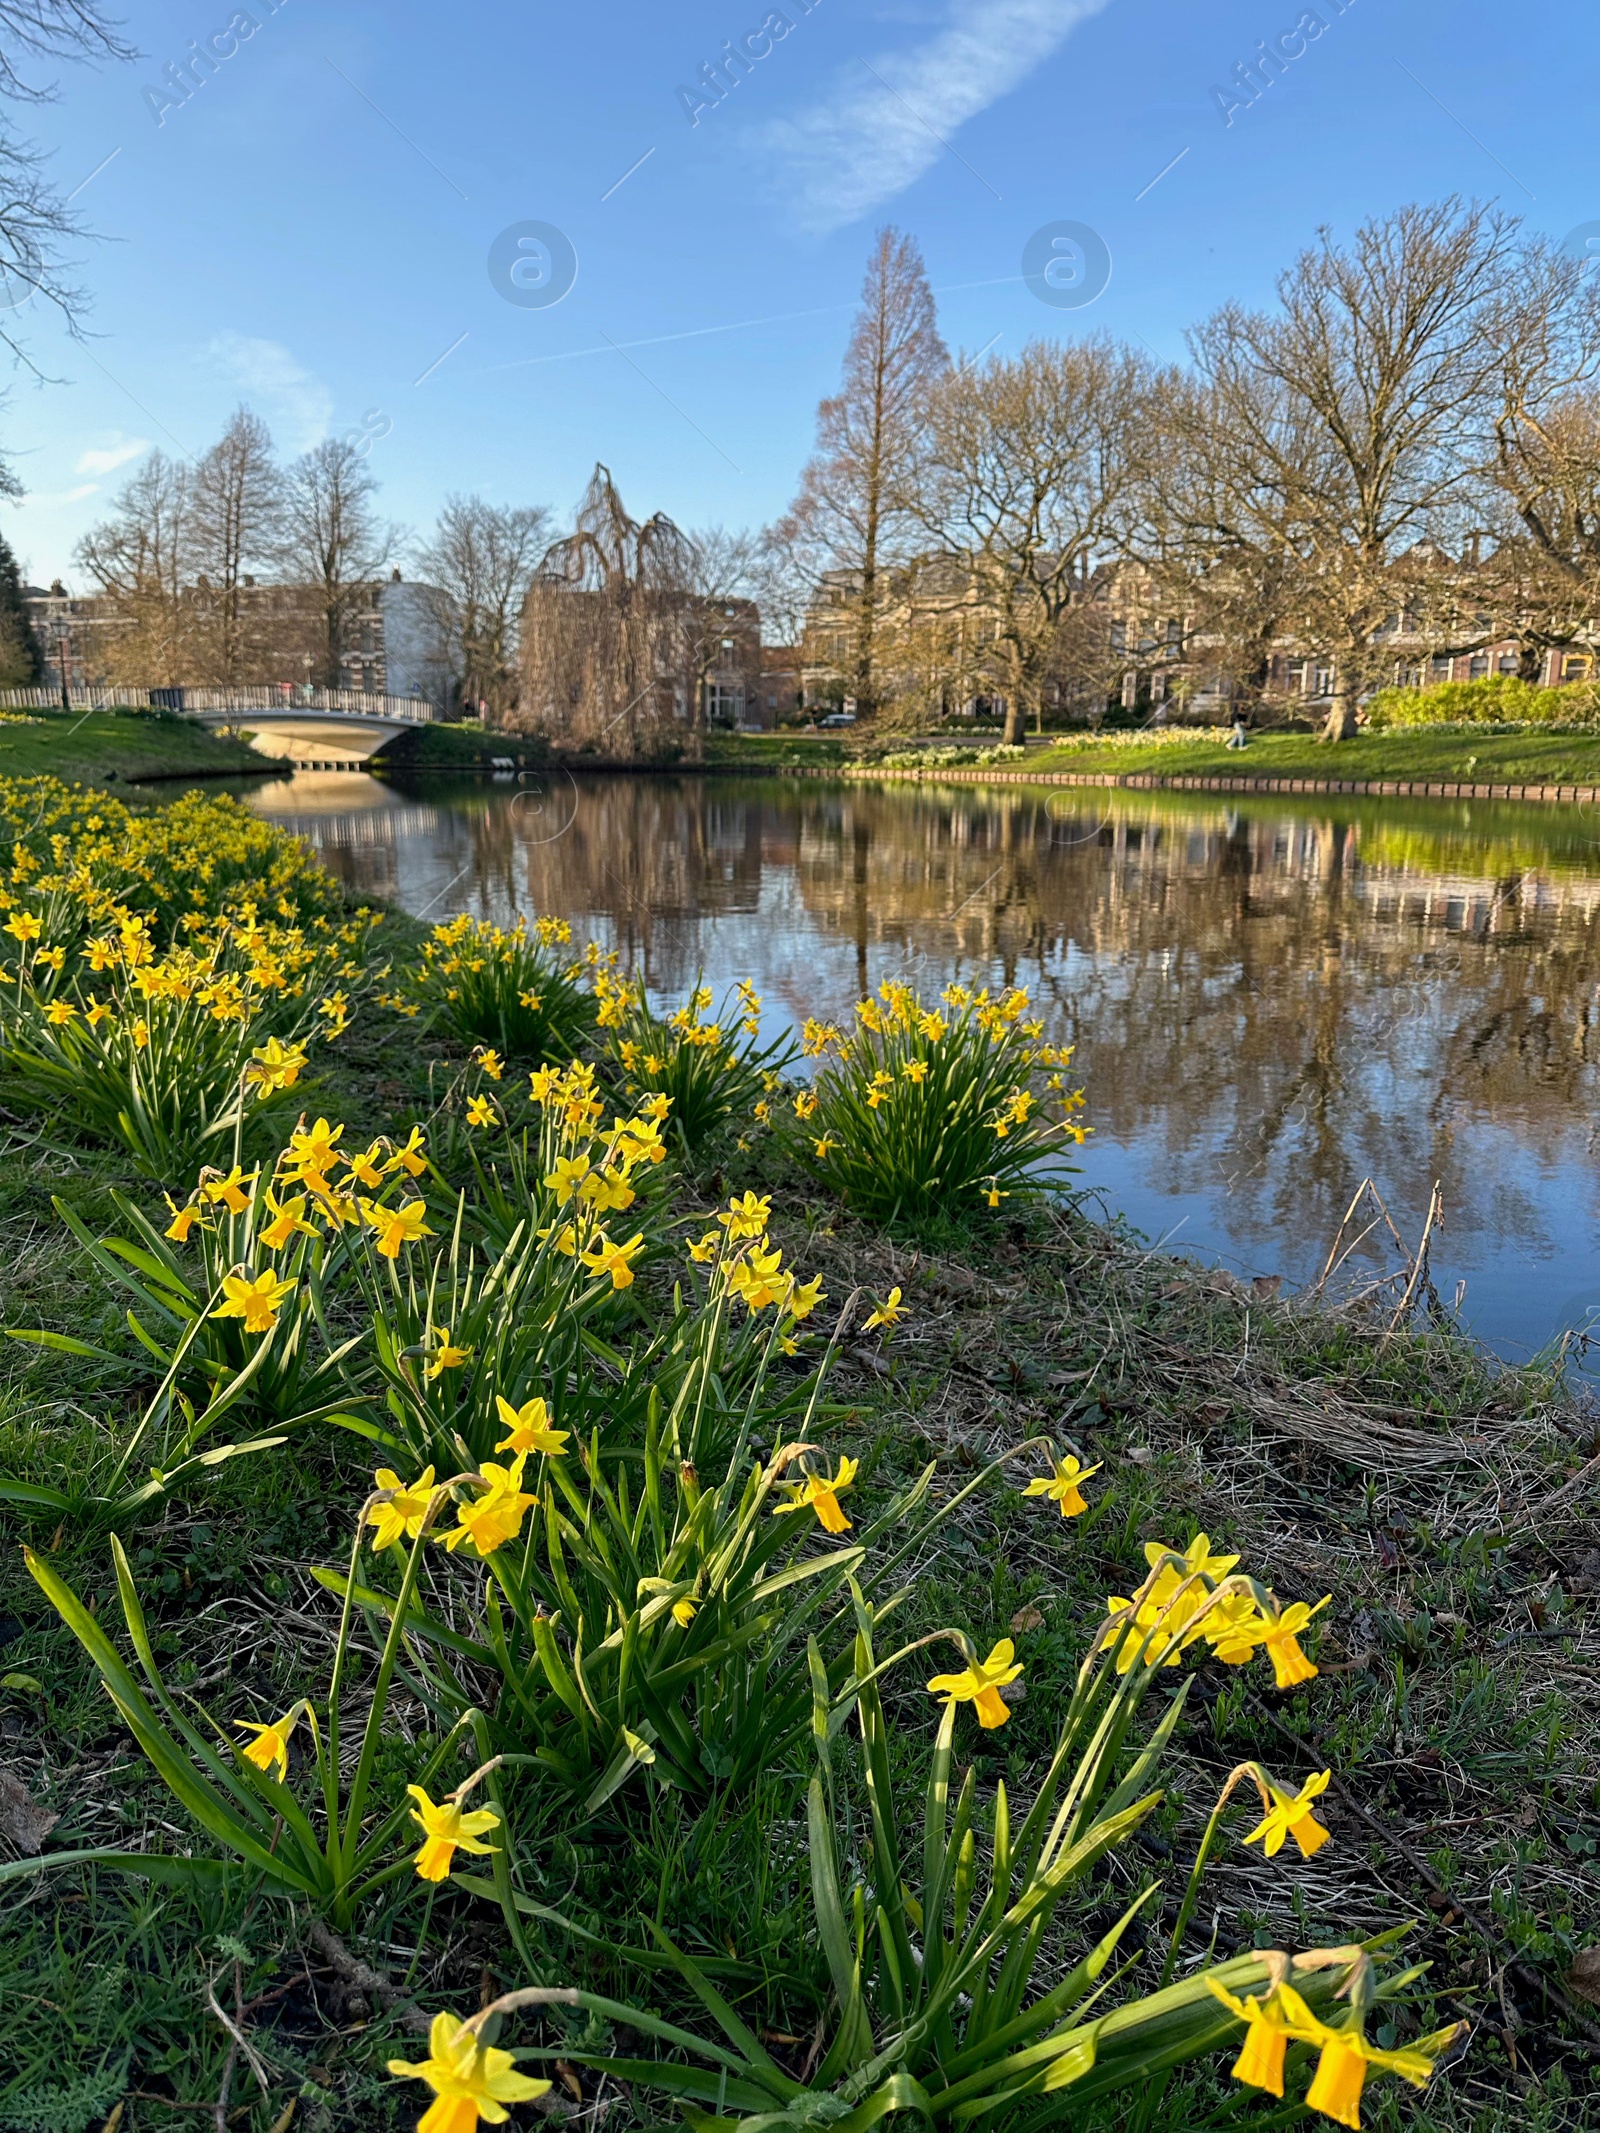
{"points": [[608, 637]]}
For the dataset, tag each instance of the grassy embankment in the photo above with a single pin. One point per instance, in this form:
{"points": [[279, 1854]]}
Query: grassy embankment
{"points": [[1526, 756], [120, 746], [1432, 1494]]}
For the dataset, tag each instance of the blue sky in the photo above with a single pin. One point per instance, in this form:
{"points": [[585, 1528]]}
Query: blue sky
{"points": [[311, 230]]}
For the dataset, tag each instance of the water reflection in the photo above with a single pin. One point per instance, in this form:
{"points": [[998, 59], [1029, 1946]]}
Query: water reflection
{"points": [[1272, 1000]]}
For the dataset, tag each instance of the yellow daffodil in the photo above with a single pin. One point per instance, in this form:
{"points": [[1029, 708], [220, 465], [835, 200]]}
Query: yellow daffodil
{"points": [[230, 1191], [495, 1517], [1290, 1665], [1290, 1815], [470, 2080], [603, 1257], [24, 926], [141, 1035], [183, 1220], [396, 1226], [805, 1104], [288, 1220], [1270, 2023], [994, 1196], [707, 1248], [529, 1427], [312, 1154], [367, 1167], [746, 1215], [683, 1612], [567, 1177], [656, 1107], [269, 1751], [915, 1071], [1062, 1487], [412, 1158], [59, 1013], [1341, 2072], [980, 1685], [445, 1357], [757, 1280], [447, 1830], [96, 1012], [256, 1300], [275, 1066], [480, 1112], [889, 1313], [400, 1518], [820, 1493], [804, 1298], [492, 1064], [824, 1147]]}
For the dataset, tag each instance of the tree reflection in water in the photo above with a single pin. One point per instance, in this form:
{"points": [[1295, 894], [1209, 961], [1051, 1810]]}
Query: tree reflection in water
{"points": [[1272, 1000]]}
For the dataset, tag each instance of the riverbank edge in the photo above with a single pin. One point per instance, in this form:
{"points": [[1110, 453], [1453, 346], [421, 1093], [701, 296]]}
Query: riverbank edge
{"points": [[1130, 781]]}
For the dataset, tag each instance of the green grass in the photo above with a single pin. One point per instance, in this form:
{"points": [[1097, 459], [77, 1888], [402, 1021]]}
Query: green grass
{"points": [[1525, 757], [462, 746], [105, 747], [777, 751]]}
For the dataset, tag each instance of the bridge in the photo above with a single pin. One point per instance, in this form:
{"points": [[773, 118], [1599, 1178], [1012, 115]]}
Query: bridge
{"points": [[326, 729]]}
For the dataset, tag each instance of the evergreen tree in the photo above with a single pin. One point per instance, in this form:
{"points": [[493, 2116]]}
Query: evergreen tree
{"points": [[21, 659]]}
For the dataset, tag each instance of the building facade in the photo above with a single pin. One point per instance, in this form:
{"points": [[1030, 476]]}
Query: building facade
{"points": [[395, 641]]}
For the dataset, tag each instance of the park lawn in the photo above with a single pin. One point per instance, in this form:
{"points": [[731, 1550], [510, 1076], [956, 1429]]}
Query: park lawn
{"points": [[460, 745], [124, 746], [1526, 756], [778, 751]]}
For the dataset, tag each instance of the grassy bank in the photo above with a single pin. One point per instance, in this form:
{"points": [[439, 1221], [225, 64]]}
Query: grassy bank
{"points": [[1524, 756], [1359, 1451], [455, 746], [108, 747]]}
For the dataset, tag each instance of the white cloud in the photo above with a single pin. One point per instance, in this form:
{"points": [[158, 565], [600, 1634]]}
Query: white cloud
{"points": [[871, 138], [287, 396], [34, 499], [105, 459]]}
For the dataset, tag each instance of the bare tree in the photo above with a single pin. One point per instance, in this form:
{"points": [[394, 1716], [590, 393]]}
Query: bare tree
{"points": [[1028, 475], [609, 629], [141, 558], [850, 502], [236, 525], [333, 542], [36, 222], [481, 560], [723, 572], [1353, 422]]}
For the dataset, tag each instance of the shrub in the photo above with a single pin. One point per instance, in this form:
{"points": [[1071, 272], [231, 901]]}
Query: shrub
{"points": [[507, 989], [920, 1109], [1494, 699]]}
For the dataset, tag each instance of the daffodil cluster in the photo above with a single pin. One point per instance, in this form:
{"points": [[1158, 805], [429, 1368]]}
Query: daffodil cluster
{"points": [[712, 1066], [1191, 1597], [248, 1226], [916, 1105], [748, 1268], [166, 1049], [508, 987]]}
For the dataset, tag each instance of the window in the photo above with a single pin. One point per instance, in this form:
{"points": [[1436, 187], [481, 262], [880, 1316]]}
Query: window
{"points": [[1323, 685], [1575, 668], [724, 702], [1439, 666], [1506, 663], [1477, 666]]}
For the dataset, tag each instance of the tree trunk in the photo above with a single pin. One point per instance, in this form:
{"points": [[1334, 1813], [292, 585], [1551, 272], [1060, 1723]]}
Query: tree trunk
{"points": [[1016, 718], [1341, 720]]}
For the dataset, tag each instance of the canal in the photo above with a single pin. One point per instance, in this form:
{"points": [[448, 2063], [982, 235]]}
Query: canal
{"points": [[1272, 1000]]}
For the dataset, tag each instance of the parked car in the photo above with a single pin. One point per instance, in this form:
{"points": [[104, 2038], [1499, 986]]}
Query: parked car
{"points": [[838, 718]]}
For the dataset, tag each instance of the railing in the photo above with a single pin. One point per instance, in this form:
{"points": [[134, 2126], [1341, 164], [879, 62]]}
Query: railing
{"points": [[283, 696]]}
